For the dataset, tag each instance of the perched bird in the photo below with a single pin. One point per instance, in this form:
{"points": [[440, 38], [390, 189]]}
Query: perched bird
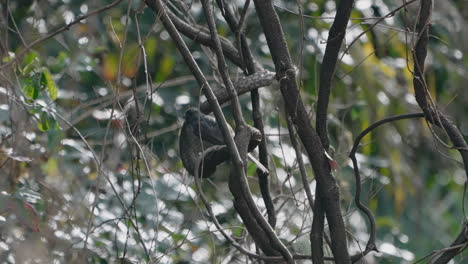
{"points": [[206, 125], [200, 133]]}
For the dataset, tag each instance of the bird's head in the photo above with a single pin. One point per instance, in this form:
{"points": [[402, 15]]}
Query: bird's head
{"points": [[192, 114]]}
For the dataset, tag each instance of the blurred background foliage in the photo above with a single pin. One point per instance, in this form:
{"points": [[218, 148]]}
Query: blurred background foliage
{"points": [[90, 170]]}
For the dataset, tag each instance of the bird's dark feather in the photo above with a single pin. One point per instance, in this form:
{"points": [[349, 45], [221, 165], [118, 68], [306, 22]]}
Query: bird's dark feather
{"points": [[207, 125]]}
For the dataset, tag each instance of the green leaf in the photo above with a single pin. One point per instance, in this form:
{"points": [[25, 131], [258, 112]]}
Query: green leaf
{"points": [[30, 90], [30, 62], [31, 86], [30, 58], [47, 122], [44, 124], [26, 71], [53, 123], [49, 82], [8, 58]]}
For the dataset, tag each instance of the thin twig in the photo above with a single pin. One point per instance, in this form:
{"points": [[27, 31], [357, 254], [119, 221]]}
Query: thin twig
{"points": [[56, 32], [240, 126], [371, 246]]}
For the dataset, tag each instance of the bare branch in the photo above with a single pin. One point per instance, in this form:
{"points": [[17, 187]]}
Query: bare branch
{"points": [[249, 68], [432, 113], [243, 85], [285, 72], [236, 183], [357, 197], [61, 29], [335, 39]]}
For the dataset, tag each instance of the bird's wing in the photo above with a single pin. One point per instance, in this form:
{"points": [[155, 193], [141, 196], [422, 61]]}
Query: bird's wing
{"points": [[210, 131]]}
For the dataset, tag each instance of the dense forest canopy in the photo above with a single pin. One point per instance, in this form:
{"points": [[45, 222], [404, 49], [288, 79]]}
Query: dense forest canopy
{"points": [[356, 108]]}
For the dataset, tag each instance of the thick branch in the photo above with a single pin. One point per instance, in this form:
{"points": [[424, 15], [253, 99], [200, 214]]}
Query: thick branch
{"points": [[259, 235], [199, 34], [222, 67], [296, 110], [159, 8], [237, 181], [458, 246], [335, 39], [318, 225], [238, 169], [249, 69], [239, 172], [432, 114], [243, 85]]}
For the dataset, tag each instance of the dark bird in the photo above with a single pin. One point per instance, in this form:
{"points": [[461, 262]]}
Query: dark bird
{"points": [[201, 133]]}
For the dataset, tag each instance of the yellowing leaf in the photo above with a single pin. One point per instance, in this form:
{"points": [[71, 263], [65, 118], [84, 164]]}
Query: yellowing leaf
{"points": [[150, 48], [50, 84], [399, 198], [165, 68], [130, 60], [110, 67]]}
